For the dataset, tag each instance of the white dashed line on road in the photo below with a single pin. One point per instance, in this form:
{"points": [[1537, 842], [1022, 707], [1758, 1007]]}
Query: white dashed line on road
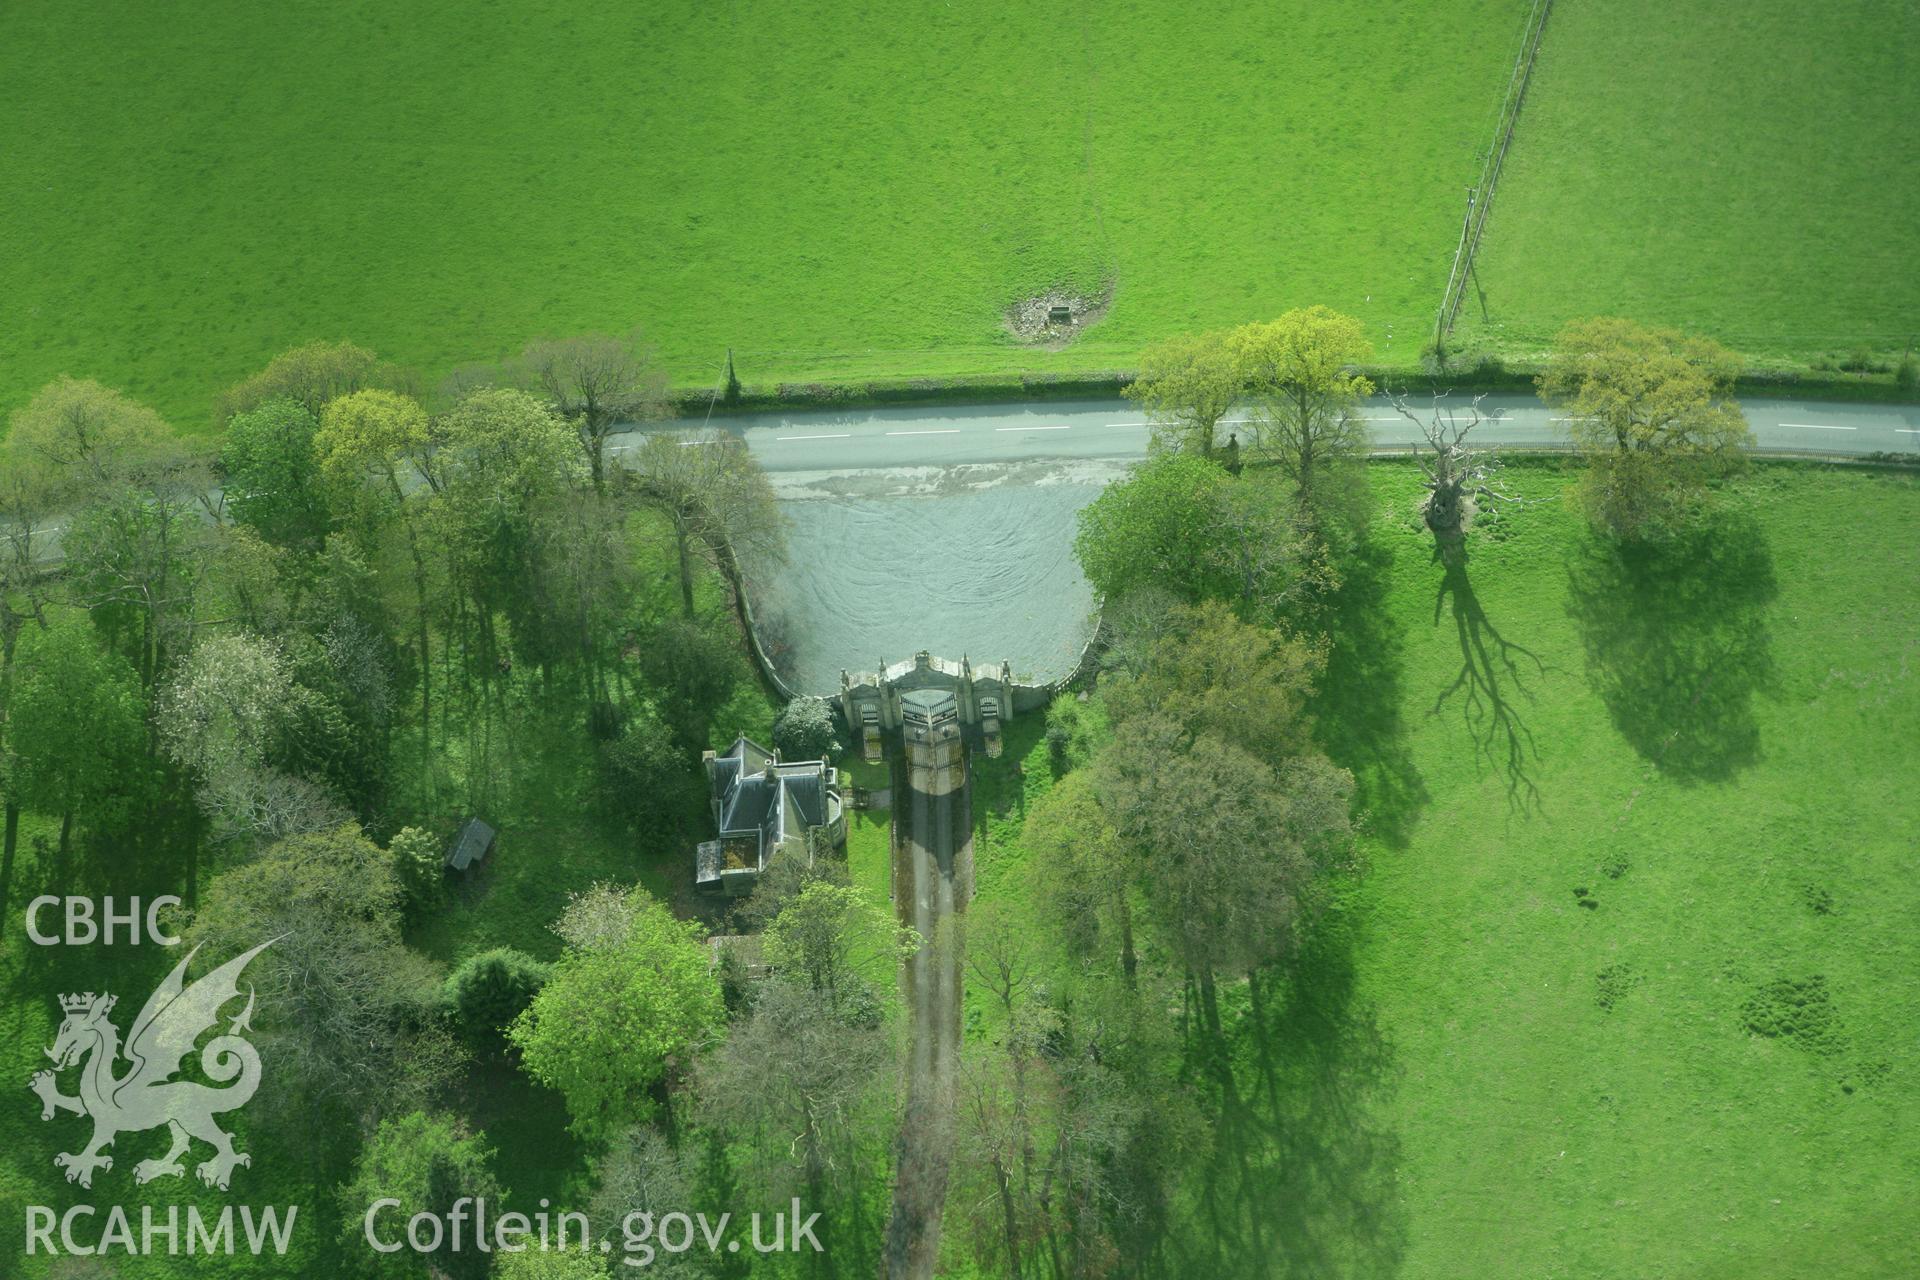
{"points": [[1033, 428], [1817, 426], [935, 431], [1908, 431], [840, 435]]}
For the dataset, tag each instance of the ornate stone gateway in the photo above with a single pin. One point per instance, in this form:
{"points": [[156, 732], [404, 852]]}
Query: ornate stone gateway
{"points": [[871, 701]]}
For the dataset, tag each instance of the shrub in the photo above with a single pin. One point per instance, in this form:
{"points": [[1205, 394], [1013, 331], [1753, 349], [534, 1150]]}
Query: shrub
{"points": [[1906, 374], [804, 730], [1072, 734], [489, 990], [416, 862]]}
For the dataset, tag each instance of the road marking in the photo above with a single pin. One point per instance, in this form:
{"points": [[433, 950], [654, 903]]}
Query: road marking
{"points": [[1817, 426], [1573, 419], [841, 435], [694, 444], [1908, 431], [1033, 428], [935, 431]]}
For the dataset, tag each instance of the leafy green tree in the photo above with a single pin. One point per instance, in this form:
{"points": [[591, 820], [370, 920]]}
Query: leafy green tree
{"points": [[1297, 370], [645, 775], [692, 668], [417, 863], [271, 475], [487, 991], [1216, 675], [131, 493], [1156, 528], [1652, 411], [618, 1018], [718, 500], [552, 1264], [830, 938], [1227, 846], [598, 381], [89, 435], [804, 730], [75, 732], [1181, 526], [346, 1010], [312, 376], [371, 446], [427, 1162], [223, 716], [1186, 385]]}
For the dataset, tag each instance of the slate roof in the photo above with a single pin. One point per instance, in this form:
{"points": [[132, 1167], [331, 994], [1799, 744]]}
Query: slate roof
{"points": [[759, 797], [472, 845]]}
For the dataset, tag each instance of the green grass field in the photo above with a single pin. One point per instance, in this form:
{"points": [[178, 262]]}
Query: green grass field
{"points": [[836, 190], [1746, 171], [1482, 1075]]}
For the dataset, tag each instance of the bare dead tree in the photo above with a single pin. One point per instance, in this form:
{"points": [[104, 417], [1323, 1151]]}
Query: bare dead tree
{"points": [[1460, 478]]}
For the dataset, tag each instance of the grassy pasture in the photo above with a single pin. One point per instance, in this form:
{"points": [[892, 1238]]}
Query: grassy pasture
{"points": [[1746, 171], [835, 188], [1704, 1072]]}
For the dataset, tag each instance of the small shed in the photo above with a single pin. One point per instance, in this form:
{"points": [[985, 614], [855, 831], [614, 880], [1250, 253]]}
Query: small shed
{"points": [[471, 846]]}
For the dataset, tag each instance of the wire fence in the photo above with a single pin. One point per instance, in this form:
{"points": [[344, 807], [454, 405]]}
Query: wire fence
{"points": [[1480, 196]]}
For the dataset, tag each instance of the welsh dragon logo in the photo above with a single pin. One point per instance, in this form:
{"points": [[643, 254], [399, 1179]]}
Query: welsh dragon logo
{"points": [[146, 1096]]}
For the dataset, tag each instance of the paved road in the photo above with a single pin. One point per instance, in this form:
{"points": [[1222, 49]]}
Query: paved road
{"points": [[865, 439]]}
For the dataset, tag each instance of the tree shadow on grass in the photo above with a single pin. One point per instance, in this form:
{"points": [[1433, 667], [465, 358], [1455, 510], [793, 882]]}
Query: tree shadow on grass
{"points": [[1358, 706], [1492, 670], [1677, 641], [1304, 1167]]}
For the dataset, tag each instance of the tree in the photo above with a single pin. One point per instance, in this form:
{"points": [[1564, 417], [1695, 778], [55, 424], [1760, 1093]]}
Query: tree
{"points": [[598, 381], [643, 1173], [418, 864], [312, 376], [1186, 385], [370, 444], [645, 775], [1652, 411], [1213, 674], [804, 730], [1155, 528], [831, 939], [802, 1084], [1087, 877], [693, 667], [1226, 844], [75, 731], [552, 1264], [618, 1018], [717, 499], [346, 1010], [487, 991], [129, 489], [271, 475], [1459, 477], [1296, 370], [1180, 525], [224, 716], [89, 435], [427, 1162]]}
